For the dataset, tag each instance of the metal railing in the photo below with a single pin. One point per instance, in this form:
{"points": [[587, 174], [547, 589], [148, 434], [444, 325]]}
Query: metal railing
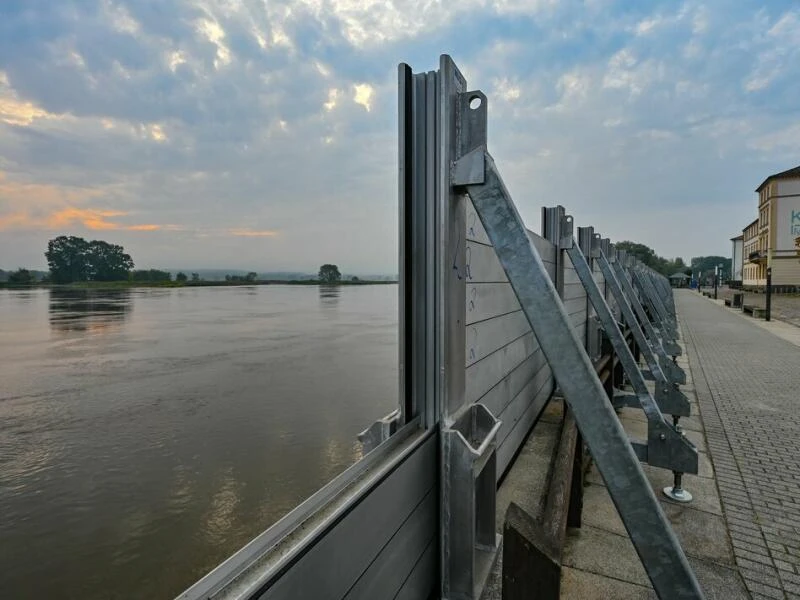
{"points": [[415, 518]]}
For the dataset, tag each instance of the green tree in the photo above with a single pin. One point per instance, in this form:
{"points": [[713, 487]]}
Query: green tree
{"points": [[67, 257], [706, 264], [72, 258], [251, 276], [644, 253], [195, 277], [108, 262], [21, 277], [354, 278], [329, 274], [181, 277], [649, 257]]}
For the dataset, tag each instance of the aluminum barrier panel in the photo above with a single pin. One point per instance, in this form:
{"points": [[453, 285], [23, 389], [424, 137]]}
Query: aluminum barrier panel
{"points": [[505, 368]]}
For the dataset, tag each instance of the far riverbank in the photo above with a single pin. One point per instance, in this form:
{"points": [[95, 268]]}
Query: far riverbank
{"points": [[116, 285]]}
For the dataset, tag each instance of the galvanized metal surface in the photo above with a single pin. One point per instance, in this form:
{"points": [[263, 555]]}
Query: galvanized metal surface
{"points": [[655, 303], [675, 374], [669, 398], [468, 451], [644, 519], [665, 446]]}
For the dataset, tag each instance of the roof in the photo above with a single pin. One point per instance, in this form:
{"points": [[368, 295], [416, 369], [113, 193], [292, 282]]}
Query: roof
{"points": [[795, 172], [679, 275], [755, 221], [738, 237]]}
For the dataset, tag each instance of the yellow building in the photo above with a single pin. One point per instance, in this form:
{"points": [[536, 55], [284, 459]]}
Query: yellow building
{"points": [[751, 271], [769, 241]]}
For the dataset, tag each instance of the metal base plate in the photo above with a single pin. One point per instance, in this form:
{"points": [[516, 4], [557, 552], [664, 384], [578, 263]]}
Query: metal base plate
{"points": [[679, 495]]}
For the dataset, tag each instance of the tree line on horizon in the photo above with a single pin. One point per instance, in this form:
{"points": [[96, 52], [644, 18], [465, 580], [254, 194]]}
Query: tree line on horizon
{"points": [[73, 259], [667, 267]]}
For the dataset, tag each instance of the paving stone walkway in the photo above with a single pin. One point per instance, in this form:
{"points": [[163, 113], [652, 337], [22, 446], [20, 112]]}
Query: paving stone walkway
{"points": [[747, 383]]}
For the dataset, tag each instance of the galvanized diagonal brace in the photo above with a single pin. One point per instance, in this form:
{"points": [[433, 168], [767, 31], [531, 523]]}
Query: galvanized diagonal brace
{"points": [[659, 364], [657, 309], [663, 291], [665, 446], [659, 549], [668, 396], [662, 347]]}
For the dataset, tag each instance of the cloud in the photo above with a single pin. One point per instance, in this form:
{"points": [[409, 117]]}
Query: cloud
{"points": [[251, 233], [363, 95], [69, 218], [277, 120]]}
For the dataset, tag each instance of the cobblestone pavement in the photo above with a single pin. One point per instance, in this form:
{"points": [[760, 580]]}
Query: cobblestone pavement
{"points": [[785, 307], [747, 383]]}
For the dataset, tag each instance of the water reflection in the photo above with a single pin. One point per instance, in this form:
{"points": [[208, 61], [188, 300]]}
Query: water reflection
{"points": [[23, 296], [88, 310], [329, 296], [225, 408]]}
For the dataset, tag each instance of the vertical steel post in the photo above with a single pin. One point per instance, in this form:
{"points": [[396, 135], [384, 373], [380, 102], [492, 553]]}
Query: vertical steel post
{"points": [[468, 446]]}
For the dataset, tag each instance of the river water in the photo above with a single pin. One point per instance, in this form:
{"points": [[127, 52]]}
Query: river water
{"points": [[145, 435]]}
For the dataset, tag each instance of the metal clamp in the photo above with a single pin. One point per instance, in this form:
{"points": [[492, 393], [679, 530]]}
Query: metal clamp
{"points": [[380, 431]]}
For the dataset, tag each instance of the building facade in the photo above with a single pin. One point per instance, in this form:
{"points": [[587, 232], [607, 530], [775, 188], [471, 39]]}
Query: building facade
{"points": [[771, 240], [751, 270]]}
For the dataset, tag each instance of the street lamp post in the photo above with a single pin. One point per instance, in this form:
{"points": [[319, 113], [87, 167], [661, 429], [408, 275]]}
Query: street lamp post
{"points": [[768, 312]]}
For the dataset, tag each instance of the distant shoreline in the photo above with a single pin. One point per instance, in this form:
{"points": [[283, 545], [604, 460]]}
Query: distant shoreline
{"points": [[124, 285]]}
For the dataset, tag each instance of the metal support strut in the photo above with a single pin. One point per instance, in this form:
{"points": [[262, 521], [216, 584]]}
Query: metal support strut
{"points": [[666, 446], [655, 542]]}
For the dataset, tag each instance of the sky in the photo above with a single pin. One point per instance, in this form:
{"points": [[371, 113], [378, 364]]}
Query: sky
{"points": [[262, 135]]}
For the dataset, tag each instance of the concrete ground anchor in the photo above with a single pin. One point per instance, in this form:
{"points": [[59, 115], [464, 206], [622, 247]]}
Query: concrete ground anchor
{"points": [[675, 492]]}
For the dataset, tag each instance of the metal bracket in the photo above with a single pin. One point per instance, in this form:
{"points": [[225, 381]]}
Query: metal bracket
{"points": [[470, 451], [672, 371], [380, 431], [672, 401], [470, 168], [667, 448], [566, 239]]}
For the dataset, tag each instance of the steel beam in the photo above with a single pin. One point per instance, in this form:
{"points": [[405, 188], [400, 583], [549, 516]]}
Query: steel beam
{"points": [[662, 347], [665, 447], [664, 371], [659, 549], [668, 396], [656, 305]]}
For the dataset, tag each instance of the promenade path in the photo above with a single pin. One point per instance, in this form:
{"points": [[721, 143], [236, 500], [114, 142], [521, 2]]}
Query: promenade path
{"points": [[747, 382]]}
